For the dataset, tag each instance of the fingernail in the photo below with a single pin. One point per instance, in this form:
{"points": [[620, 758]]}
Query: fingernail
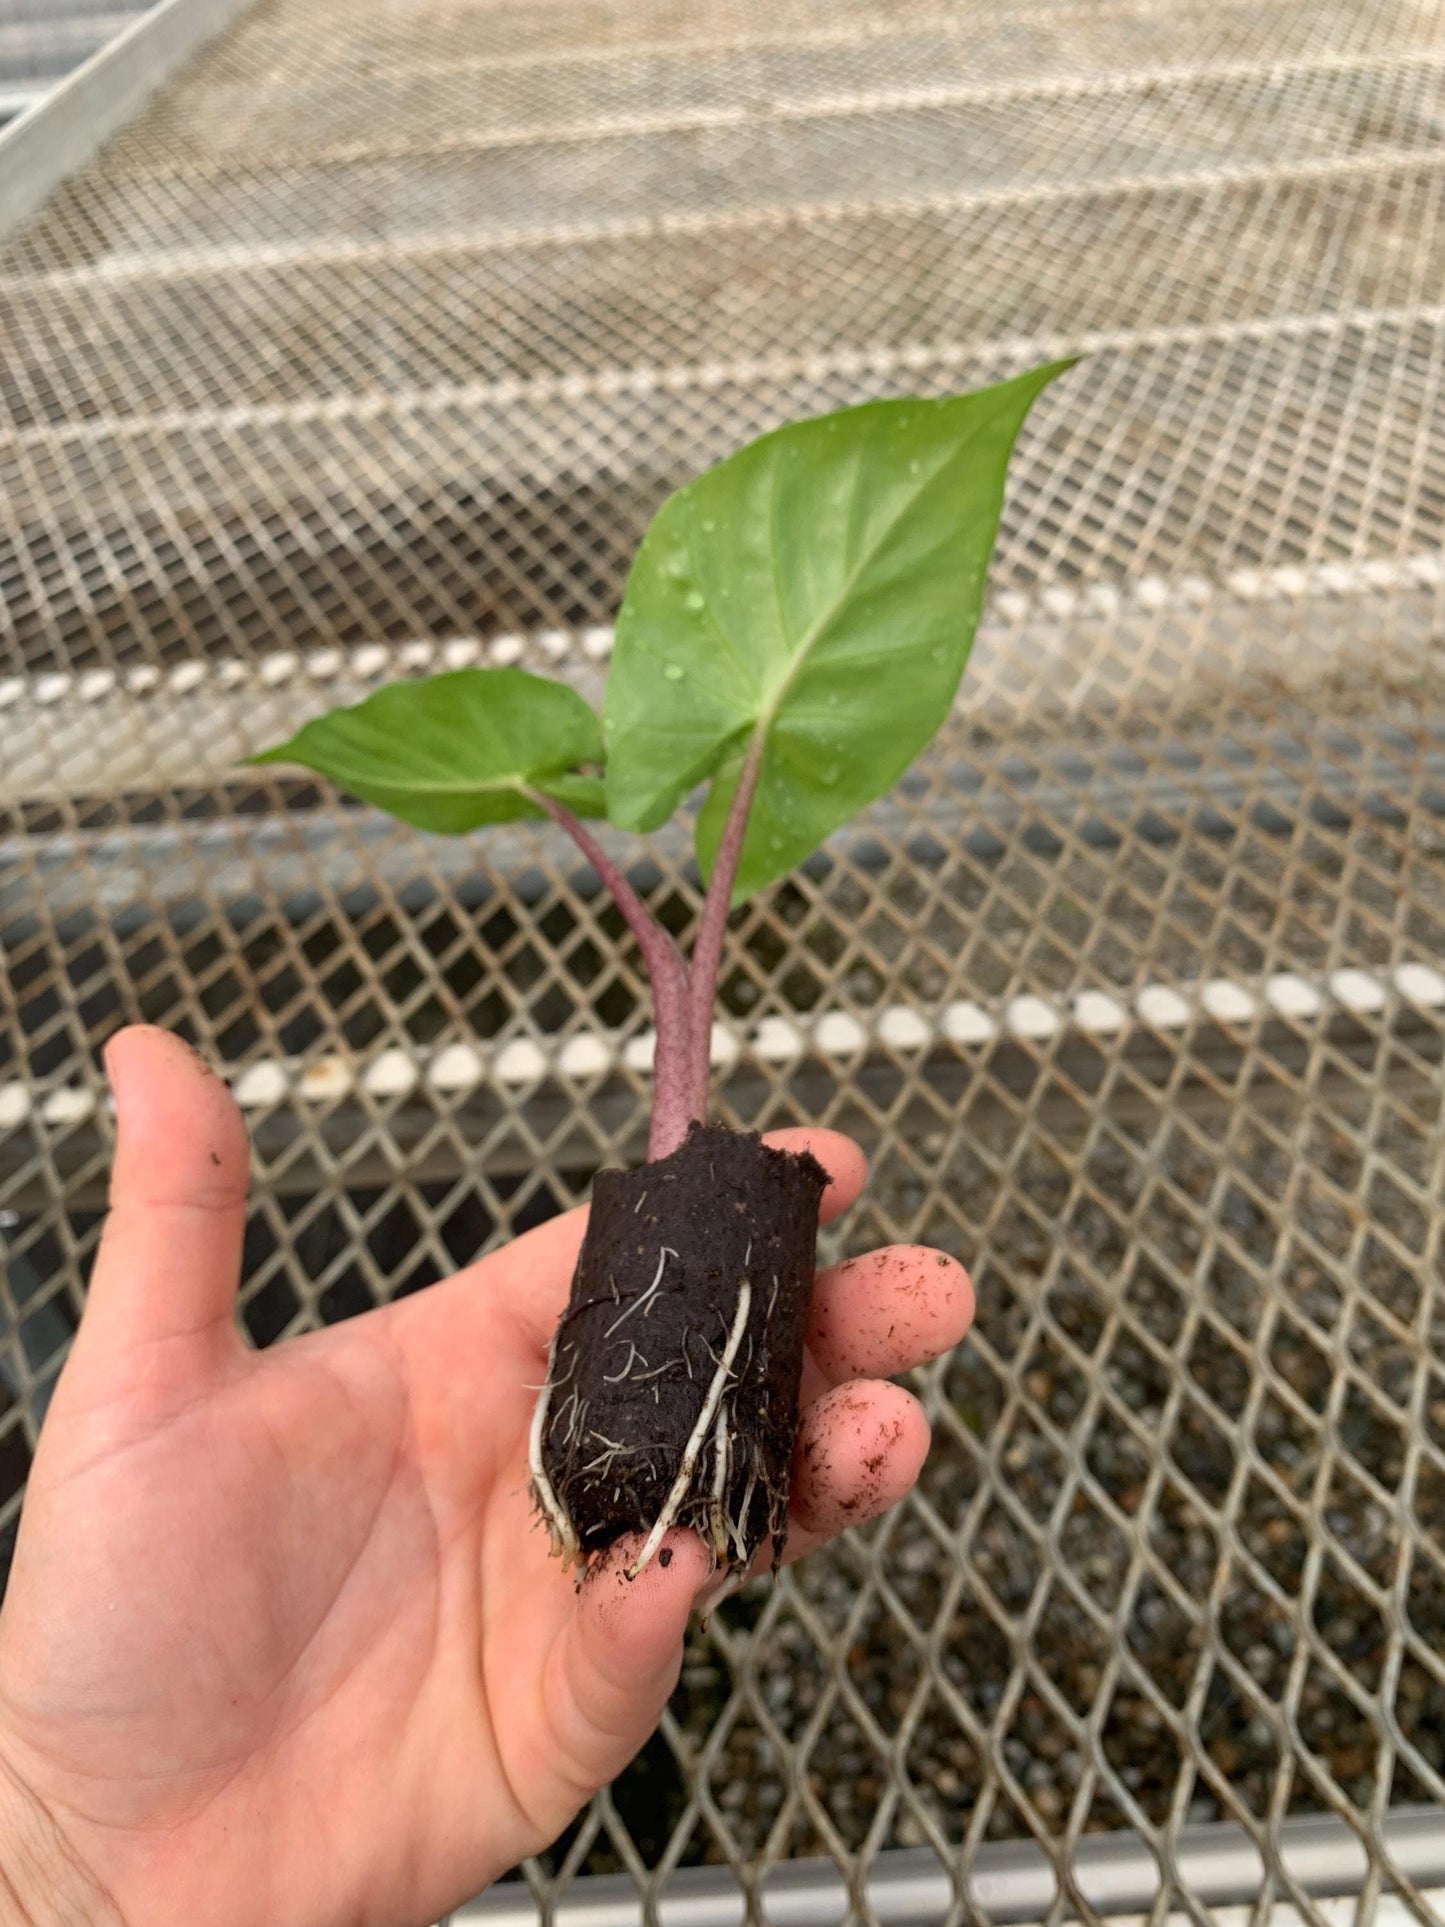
{"points": [[114, 1062]]}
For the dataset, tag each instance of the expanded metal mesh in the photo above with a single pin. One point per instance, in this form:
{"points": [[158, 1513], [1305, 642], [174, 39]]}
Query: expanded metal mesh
{"points": [[371, 347]]}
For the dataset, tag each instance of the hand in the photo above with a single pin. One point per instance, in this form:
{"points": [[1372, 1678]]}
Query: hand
{"points": [[283, 1643]]}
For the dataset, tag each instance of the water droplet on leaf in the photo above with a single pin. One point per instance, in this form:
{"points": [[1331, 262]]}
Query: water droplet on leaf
{"points": [[673, 672], [693, 599], [709, 527]]}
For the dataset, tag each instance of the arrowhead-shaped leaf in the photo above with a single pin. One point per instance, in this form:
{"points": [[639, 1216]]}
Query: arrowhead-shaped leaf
{"points": [[454, 751], [821, 588]]}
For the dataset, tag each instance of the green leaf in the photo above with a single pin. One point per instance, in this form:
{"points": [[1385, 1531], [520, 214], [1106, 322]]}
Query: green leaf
{"points": [[450, 752], [820, 587]]}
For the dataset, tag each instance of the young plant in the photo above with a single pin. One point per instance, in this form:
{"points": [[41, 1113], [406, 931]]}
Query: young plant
{"points": [[793, 633]]}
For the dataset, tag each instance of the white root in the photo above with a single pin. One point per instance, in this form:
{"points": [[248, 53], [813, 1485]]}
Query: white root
{"points": [[738, 1527], [647, 1297], [616, 1378], [573, 1428], [564, 1539], [693, 1449], [721, 1455], [605, 1459]]}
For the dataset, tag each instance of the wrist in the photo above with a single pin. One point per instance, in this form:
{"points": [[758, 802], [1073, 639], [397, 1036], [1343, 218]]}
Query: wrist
{"points": [[43, 1881]]}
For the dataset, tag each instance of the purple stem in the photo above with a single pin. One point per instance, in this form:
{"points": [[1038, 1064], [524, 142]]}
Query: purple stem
{"points": [[673, 1104], [712, 929]]}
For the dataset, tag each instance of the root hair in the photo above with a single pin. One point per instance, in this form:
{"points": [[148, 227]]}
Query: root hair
{"points": [[564, 1539], [664, 1253]]}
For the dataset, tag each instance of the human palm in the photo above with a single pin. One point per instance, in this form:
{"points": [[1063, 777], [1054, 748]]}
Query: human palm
{"points": [[283, 1643]]}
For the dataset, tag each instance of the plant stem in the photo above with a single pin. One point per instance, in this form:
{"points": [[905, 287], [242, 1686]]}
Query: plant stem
{"points": [[674, 1102], [712, 928]]}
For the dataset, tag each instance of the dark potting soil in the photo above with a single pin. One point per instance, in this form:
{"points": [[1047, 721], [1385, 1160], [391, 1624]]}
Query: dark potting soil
{"points": [[673, 1388]]}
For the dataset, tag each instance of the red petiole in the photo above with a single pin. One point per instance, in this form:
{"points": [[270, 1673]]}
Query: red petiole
{"points": [[682, 998]]}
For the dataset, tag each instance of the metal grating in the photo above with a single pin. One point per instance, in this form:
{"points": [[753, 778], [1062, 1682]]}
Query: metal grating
{"points": [[371, 347]]}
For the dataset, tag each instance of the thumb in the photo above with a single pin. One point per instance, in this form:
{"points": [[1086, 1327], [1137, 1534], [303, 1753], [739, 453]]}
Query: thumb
{"points": [[169, 1263], [621, 1652]]}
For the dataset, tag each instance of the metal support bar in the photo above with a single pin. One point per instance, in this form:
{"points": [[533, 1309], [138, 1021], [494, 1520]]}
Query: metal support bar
{"points": [[1010, 1883], [62, 129]]}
